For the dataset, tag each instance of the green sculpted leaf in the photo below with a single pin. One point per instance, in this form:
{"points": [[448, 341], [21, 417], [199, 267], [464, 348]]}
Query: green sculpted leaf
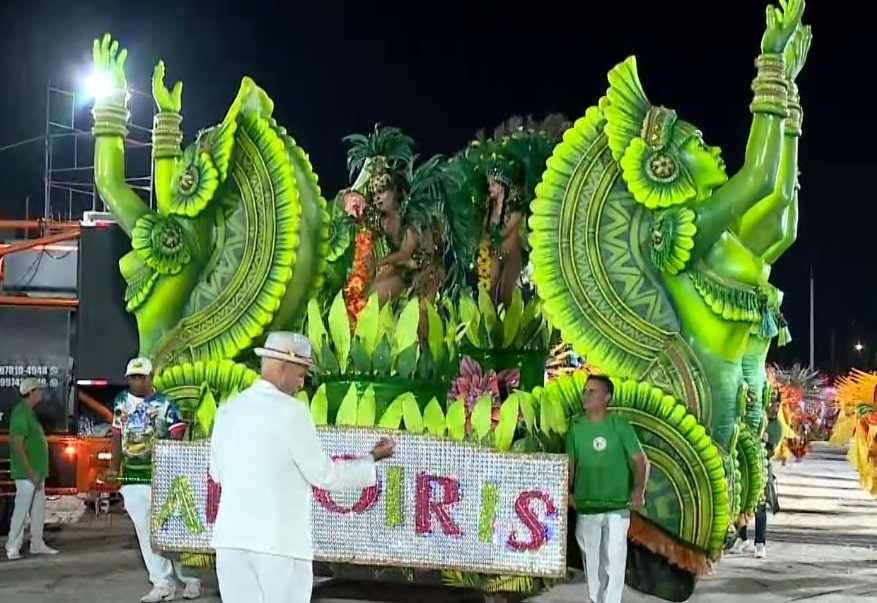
{"points": [[316, 331], [508, 423], [383, 360], [482, 416], [434, 418], [320, 406], [206, 412], [392, 417], [365, 416], [511, 323], [411, 413], [456, 420], [362, 362], [471, 318], [489, 318], [525, 401], [405, 333], [368, 325], [348, 411], [339, 328], [406, 362], [436, 331]]}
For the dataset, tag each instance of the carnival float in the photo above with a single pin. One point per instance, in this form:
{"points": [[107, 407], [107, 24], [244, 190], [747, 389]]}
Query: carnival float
{"points": [[438, 294]]}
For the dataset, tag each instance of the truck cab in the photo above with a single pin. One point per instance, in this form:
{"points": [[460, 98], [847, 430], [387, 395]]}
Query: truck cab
{"points": [[63, 321]]}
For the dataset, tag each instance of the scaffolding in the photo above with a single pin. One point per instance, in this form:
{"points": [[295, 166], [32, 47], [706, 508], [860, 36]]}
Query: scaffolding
{"points": [[69, 187]]}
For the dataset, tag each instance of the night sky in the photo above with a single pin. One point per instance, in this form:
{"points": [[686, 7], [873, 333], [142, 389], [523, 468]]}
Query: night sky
{"points": [[441, 71]]}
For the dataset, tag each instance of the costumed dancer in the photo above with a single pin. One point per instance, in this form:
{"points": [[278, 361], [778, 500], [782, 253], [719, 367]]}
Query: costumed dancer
{"points": [[263, 545], [856, 396], [140, 415]]}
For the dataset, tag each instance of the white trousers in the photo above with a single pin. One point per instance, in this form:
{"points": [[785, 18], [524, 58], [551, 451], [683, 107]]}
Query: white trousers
{"points": [[248, 577], [162, 571], [28, 499], [602, 539]]}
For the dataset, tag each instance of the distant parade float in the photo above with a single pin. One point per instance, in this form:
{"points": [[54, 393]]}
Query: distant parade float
{"points": [[417, 286]]}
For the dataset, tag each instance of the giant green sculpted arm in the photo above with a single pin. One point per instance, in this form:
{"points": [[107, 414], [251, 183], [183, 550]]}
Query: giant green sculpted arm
{"points": [[758, 176], [110, 132], [166, 136], [771, 226]]}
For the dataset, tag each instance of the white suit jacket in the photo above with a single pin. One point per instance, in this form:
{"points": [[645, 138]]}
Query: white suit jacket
{"points": [[265, 454]]}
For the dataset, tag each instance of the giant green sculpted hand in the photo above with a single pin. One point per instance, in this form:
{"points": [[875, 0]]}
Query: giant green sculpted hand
{"points": [[797, 51], [165, 99], [110, 131], [780, 26]]}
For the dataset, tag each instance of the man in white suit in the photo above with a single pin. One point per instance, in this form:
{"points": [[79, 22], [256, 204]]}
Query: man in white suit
{"points": [[265, 454]]}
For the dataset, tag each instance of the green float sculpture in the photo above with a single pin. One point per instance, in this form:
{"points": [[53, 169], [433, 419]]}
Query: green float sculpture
{"points": [[655, 266], [239, 212]]}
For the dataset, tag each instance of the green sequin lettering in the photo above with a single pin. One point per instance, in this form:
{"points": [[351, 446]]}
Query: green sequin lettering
{"points": [[179, 500], [488, 512], [393, 512]]}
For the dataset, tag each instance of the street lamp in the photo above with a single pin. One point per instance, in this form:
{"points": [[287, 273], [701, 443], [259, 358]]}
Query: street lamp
{"points": [[859, 347], [98, 85]]}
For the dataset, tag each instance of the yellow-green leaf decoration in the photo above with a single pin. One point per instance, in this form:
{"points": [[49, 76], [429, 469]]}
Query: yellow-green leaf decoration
{"points": [[316, 330], [368, 325], [508, 423], [339, 328], [347, 412], [392, 417], [411, 413], [185, 385], [546, 415], [436, 331], [434, 418], [365, 414], [302, 396], [163, 244], [482, 416], [206, 412], [320, 406], [405, 333], [341, 229], [511, 320], [525, 401], [456, 420]]}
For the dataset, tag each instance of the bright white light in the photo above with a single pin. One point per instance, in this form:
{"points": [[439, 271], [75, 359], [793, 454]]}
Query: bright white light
{"points": [[859, 347], [99, 85]]}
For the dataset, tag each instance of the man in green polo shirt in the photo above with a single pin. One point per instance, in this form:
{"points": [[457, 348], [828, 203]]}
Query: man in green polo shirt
{"points": [[29, 452], [608, 475]]}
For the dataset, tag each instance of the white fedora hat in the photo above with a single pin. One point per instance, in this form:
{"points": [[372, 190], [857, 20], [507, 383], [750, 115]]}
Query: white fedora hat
{"points": [[287, 346]]}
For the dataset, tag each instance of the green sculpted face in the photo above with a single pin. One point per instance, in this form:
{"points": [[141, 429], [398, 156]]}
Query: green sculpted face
{"points": [[705, 165]]}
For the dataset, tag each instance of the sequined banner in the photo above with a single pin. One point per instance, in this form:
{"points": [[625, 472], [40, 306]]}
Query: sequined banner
{"points": [[438, 505]]}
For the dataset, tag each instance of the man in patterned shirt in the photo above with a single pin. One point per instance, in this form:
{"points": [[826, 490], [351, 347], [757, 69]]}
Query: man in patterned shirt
{"points": [[140, 415]]}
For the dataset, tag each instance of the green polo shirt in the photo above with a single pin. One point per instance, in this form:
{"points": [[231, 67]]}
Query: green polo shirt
{"points": [[24, 423]]}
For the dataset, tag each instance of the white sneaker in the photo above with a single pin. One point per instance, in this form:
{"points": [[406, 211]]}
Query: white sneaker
{"points": [[192, 589], [158, 594], [740, 547], [42, 549], [760, 553], [13, 555]]}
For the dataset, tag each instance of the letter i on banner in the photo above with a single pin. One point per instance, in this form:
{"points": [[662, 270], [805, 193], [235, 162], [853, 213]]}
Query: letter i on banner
{"points": [[425, 507], [487, 516], [393, 511]]}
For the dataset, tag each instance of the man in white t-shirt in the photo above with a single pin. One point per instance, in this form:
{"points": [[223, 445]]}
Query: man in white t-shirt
{"points": [[265, 454]]}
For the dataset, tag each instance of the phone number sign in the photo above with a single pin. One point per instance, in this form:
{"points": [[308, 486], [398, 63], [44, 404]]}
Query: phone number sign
{"points": [[438, 504]]}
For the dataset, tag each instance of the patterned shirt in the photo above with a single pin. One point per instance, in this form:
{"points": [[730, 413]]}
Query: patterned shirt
{"points": [[138, 421]]}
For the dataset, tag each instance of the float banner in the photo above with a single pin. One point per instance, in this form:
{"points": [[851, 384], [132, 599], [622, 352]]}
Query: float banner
{"points": [[438, 504]]}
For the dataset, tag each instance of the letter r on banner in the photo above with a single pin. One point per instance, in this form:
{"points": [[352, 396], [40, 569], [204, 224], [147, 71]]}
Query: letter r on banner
{"points": [[425, 506]]}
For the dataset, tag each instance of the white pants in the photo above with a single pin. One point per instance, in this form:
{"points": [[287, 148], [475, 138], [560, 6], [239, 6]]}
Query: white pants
{"points": [[602, 539], [247, 577], [162, 571], [28, 499]]}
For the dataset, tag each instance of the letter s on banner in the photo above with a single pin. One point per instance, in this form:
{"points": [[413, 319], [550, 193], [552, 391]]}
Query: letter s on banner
{"points": [[367, 498], [537, 529]]}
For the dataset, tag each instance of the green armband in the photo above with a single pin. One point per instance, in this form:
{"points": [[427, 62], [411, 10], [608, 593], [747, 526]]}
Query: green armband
{"points": [[770, 86], [167, 136], [111, 114], [796, 114]]}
